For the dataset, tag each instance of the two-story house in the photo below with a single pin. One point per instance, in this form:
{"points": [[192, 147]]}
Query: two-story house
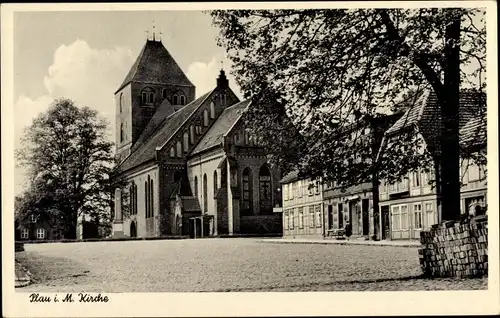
{"points": [[303, 215], [411, 205]]}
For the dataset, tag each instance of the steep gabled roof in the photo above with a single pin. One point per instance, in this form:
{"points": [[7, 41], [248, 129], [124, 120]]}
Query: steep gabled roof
{"points": [[162, 134], [155, 65], [425, 115], [222, 125], [425, 112]]}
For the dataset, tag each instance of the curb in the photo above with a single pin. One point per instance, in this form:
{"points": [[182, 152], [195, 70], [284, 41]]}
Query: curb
{"points": [[338, 243]]}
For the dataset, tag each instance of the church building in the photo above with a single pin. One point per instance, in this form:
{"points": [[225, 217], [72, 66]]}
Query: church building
{"points": [[190, 165]]}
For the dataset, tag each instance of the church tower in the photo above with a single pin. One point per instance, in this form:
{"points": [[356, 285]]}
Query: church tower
{"points": [[155, 84]]}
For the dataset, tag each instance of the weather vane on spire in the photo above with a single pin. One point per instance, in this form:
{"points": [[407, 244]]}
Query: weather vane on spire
{"points": [[221, 65]]}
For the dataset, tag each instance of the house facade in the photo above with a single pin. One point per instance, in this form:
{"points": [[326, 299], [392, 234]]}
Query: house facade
{"points": [[303, 213], [411, 205], [353, 205], [191, 167]]}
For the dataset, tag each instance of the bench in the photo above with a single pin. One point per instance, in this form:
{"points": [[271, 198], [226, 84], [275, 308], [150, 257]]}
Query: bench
{"points": [[338, 233]]}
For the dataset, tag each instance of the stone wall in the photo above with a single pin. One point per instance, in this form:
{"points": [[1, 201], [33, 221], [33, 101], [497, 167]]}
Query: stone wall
{"points": [[455, 249]]}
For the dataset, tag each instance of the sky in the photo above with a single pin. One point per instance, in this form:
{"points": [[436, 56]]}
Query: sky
{"points": [[85, 55]]}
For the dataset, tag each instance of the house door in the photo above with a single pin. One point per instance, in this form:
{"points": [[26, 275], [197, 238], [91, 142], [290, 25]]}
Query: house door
{"points": [[354, 217], [133, 230], [386, 234], [341, 215], [366, 219], [330, 216]]}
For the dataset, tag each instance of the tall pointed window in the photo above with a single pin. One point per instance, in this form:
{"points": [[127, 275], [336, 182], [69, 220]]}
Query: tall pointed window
{"points": [[215, 182], [196, 186], [163, 93], [121, 102], [121, 133], [175, 99], [144, 97], [172, 152], [246, 208], [265, 190], [183, 100], [205, 193], [212, 110]]}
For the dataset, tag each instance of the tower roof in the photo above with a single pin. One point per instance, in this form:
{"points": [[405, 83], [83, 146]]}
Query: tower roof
{"points": [[155, 65]]}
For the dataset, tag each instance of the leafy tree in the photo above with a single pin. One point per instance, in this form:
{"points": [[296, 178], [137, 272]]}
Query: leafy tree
{"points": [[70, 167], [313, 74]]}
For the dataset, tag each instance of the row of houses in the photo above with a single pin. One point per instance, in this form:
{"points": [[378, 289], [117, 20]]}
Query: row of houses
{"points": [[314, 209]]}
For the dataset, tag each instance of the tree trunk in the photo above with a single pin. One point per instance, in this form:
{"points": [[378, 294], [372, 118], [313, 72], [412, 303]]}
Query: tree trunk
{"points": [[449, 160]]}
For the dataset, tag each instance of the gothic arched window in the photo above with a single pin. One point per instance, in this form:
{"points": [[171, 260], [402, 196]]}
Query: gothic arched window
{"points": [[175, 99], [121, 102], [164, 93], [172, 152], [246, 208], [196, 186], [205, 193], [148, 96], [183, 100], [265, 190], [212, 110]]}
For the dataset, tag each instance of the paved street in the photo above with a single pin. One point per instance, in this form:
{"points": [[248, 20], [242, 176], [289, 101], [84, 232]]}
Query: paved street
{"points": [[226, 265]]}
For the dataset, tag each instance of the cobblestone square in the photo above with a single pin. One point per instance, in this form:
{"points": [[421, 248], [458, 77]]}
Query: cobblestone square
{"points": [[225, 265]]}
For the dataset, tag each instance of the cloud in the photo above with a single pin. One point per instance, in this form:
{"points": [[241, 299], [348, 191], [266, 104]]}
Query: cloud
{"points": [[204, 75], [86, 75]]}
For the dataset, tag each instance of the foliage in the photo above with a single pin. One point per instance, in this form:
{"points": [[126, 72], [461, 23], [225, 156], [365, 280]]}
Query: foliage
{"points": [[70, 164], [324, 72]]}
